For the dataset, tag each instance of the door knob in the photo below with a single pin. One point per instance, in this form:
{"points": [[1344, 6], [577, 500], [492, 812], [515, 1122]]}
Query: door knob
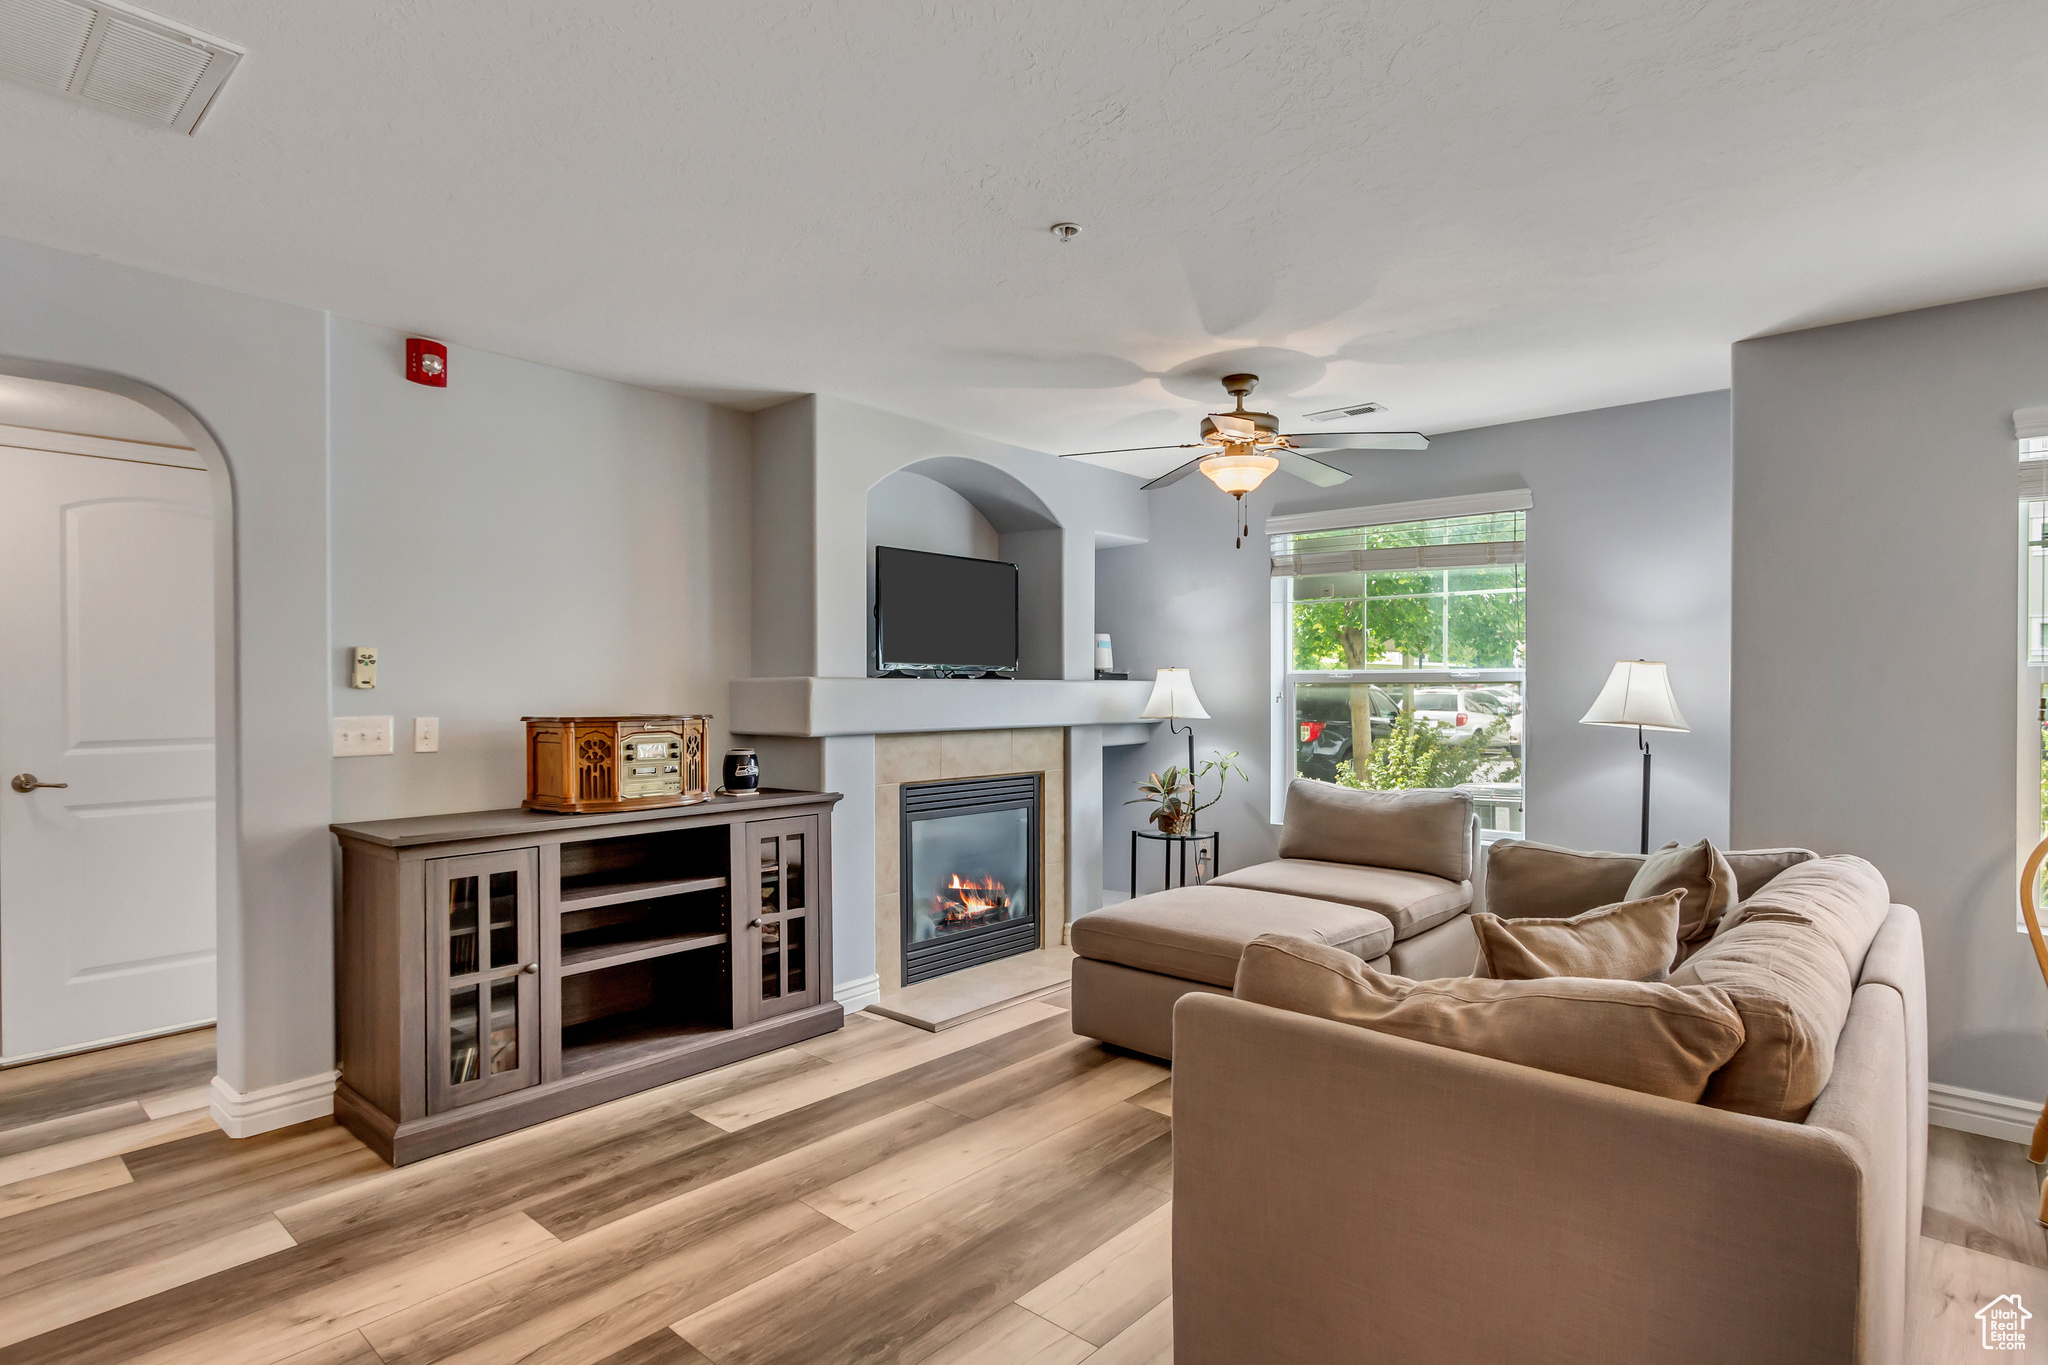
{"points": [[28, 782], [753, 924], [530, 968]]}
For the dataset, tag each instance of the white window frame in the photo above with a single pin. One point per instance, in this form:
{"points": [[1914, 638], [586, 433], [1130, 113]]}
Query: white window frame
{"points": [[2030, 428], [1280, 652]]}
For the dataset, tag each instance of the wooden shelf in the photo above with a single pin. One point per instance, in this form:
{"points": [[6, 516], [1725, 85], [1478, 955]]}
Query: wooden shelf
{"points": [[624, 1038], [597, 955], [617, 893]]}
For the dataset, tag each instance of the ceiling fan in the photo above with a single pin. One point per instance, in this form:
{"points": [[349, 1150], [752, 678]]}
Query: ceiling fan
{"points": [[1241, 448]]}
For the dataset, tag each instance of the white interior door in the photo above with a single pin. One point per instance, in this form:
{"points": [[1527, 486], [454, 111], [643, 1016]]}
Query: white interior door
{"points": [[106, 685]]}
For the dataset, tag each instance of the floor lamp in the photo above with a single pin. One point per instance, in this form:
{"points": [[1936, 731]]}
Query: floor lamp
{"points": [[1638, 693], [1173, 700]]}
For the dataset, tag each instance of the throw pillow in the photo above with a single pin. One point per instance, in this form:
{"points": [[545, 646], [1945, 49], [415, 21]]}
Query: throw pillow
{"points": [[1540, 881], [1639, 1035], [1632, 941], [1754, 867], [1703, 873]]}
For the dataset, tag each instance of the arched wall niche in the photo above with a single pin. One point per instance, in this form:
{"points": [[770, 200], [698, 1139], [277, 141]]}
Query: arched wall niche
{"points": [[954, 504]]}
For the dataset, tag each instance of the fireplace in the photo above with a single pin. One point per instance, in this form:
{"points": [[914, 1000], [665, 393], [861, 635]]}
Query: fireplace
{"points": [[970, 860]]}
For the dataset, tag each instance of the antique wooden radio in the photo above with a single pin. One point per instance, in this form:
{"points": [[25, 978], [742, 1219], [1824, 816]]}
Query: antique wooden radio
{"points": [[599, 763]]}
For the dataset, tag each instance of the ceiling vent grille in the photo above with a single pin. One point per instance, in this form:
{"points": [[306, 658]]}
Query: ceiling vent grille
{"points": [[115, 57], [1351, 410]]}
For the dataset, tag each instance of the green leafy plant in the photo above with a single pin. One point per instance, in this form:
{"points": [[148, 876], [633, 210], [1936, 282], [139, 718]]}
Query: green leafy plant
{"points": [[1175, 795], [1417, 753]]}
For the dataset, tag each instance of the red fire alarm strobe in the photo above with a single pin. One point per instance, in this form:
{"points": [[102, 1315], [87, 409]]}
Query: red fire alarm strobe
{"points": [[426, 362]]}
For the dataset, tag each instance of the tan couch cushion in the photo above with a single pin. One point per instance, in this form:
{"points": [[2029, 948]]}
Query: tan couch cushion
{"points": [[1632, 941], [1639, 1035], [1540, 881], [1411, 901], [1199, 932], [1418, 831], [1702, 872], [1788, 957], [1755, 866]]}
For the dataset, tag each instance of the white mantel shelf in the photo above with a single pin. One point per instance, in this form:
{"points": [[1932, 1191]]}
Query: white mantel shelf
{"points": [[815, 707]]}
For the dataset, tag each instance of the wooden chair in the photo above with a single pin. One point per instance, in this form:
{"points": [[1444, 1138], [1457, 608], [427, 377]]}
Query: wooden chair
{"points": [[2030, 880]]}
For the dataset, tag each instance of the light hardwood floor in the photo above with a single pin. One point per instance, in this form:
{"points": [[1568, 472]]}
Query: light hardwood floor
{"points": [[997, 1193]]}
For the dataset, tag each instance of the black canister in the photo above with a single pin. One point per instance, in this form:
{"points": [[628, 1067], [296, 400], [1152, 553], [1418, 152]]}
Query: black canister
{"points": [[742, 772]]}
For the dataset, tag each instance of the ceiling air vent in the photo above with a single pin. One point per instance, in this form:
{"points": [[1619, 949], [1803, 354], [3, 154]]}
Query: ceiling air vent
{"points": [[115, 57], [1327, 414]]}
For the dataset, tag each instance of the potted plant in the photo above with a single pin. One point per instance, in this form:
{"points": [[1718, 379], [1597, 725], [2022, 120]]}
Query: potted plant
{"points": [[1175, 795]]}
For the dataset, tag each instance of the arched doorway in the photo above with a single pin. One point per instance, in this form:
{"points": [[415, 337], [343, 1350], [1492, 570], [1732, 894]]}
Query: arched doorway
{"points": [[113, 542]]}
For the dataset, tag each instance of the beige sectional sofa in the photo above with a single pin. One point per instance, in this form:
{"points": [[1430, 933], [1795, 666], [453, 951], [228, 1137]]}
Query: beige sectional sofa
{"points": [[1344, 1194], [1386, 876]]}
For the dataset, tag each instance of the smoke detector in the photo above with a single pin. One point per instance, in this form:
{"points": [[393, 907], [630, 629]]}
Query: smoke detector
{"points": [[1327, 414], [116, 57]]}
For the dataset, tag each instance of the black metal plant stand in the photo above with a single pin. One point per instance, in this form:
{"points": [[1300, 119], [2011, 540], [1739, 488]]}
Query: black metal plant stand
{"points": [[1213, 838]]}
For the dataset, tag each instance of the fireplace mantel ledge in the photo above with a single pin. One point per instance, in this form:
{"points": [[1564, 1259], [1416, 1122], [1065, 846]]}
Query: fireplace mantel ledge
{"points": [[814, 707]]}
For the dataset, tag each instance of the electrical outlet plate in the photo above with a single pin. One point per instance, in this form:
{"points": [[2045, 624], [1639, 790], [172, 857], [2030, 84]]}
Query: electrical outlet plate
{"points": [[426, 734], [361, 736]]}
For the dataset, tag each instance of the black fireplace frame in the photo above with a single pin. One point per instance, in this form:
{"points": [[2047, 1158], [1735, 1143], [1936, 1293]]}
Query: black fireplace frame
{"points": [[966, 796]]}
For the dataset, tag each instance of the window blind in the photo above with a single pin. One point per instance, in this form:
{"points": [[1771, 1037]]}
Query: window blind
{"points": [[1374, 545], [2033, 479]]}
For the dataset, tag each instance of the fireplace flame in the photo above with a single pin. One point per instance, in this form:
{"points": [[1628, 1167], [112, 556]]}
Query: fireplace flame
{"points": [[967, 899]]}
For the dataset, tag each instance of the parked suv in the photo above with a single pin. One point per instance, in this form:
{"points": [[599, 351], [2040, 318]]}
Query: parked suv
{"points": [[1322, 727], [1464, 712]]}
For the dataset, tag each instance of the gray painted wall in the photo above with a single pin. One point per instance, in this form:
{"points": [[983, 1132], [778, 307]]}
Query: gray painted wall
{"points": [[526, 541], [916, 513], [1628, 557], [1876, 640], [250, 376], [784, 550]]}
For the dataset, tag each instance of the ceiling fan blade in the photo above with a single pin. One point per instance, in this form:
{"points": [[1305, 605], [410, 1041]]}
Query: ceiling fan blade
{"points": [[1360, 440], [1173, 476], [1132, 450], [1315, 471]]}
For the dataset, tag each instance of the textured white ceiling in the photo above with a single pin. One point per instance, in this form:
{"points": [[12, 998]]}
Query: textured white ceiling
{"points": [[1472, 212]]}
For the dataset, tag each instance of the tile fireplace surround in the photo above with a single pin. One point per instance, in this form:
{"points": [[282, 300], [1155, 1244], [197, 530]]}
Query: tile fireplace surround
{"points": [[901, 759]]}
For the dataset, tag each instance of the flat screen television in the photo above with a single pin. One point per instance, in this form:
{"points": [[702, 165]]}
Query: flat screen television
{"points": [[944, 613]]}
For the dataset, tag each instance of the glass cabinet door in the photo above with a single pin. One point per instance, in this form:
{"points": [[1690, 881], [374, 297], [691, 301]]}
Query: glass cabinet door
{"points": [[782, 972], [483, 956]]}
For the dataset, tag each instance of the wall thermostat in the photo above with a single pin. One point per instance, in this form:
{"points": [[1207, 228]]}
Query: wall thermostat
{"points": [[364, 673]]}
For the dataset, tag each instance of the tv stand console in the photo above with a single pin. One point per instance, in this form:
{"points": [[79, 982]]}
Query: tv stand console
{"points": [[498, 968]]}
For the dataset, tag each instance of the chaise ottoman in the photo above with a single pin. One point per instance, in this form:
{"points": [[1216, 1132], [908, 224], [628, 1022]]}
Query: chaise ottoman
{"points": [[1133, 960]]}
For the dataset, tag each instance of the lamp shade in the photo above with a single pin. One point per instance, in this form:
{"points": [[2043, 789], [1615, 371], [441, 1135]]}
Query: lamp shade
{"points": [[1239, 472], [1638, 692], [1173, 698]]}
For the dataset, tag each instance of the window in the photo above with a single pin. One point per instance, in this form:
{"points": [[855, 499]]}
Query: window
{"points": [[1398, 642], [2031, 425]]}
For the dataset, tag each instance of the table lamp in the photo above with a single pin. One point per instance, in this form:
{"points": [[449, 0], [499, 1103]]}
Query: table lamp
{"points": [[1173, 700], [1638, 693]]}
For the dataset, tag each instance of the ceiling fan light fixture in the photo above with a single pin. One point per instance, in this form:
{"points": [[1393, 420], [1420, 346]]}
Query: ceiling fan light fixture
{"points": [[1240, 471]]}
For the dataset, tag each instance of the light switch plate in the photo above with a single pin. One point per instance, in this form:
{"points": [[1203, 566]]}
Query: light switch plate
{"points": [[426, 734], [361, 736]]}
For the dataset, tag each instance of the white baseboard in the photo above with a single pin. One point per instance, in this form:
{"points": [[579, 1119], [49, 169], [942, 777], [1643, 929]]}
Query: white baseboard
{"points": [[1974, 1111], [855, 996], [275, 1106]]}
